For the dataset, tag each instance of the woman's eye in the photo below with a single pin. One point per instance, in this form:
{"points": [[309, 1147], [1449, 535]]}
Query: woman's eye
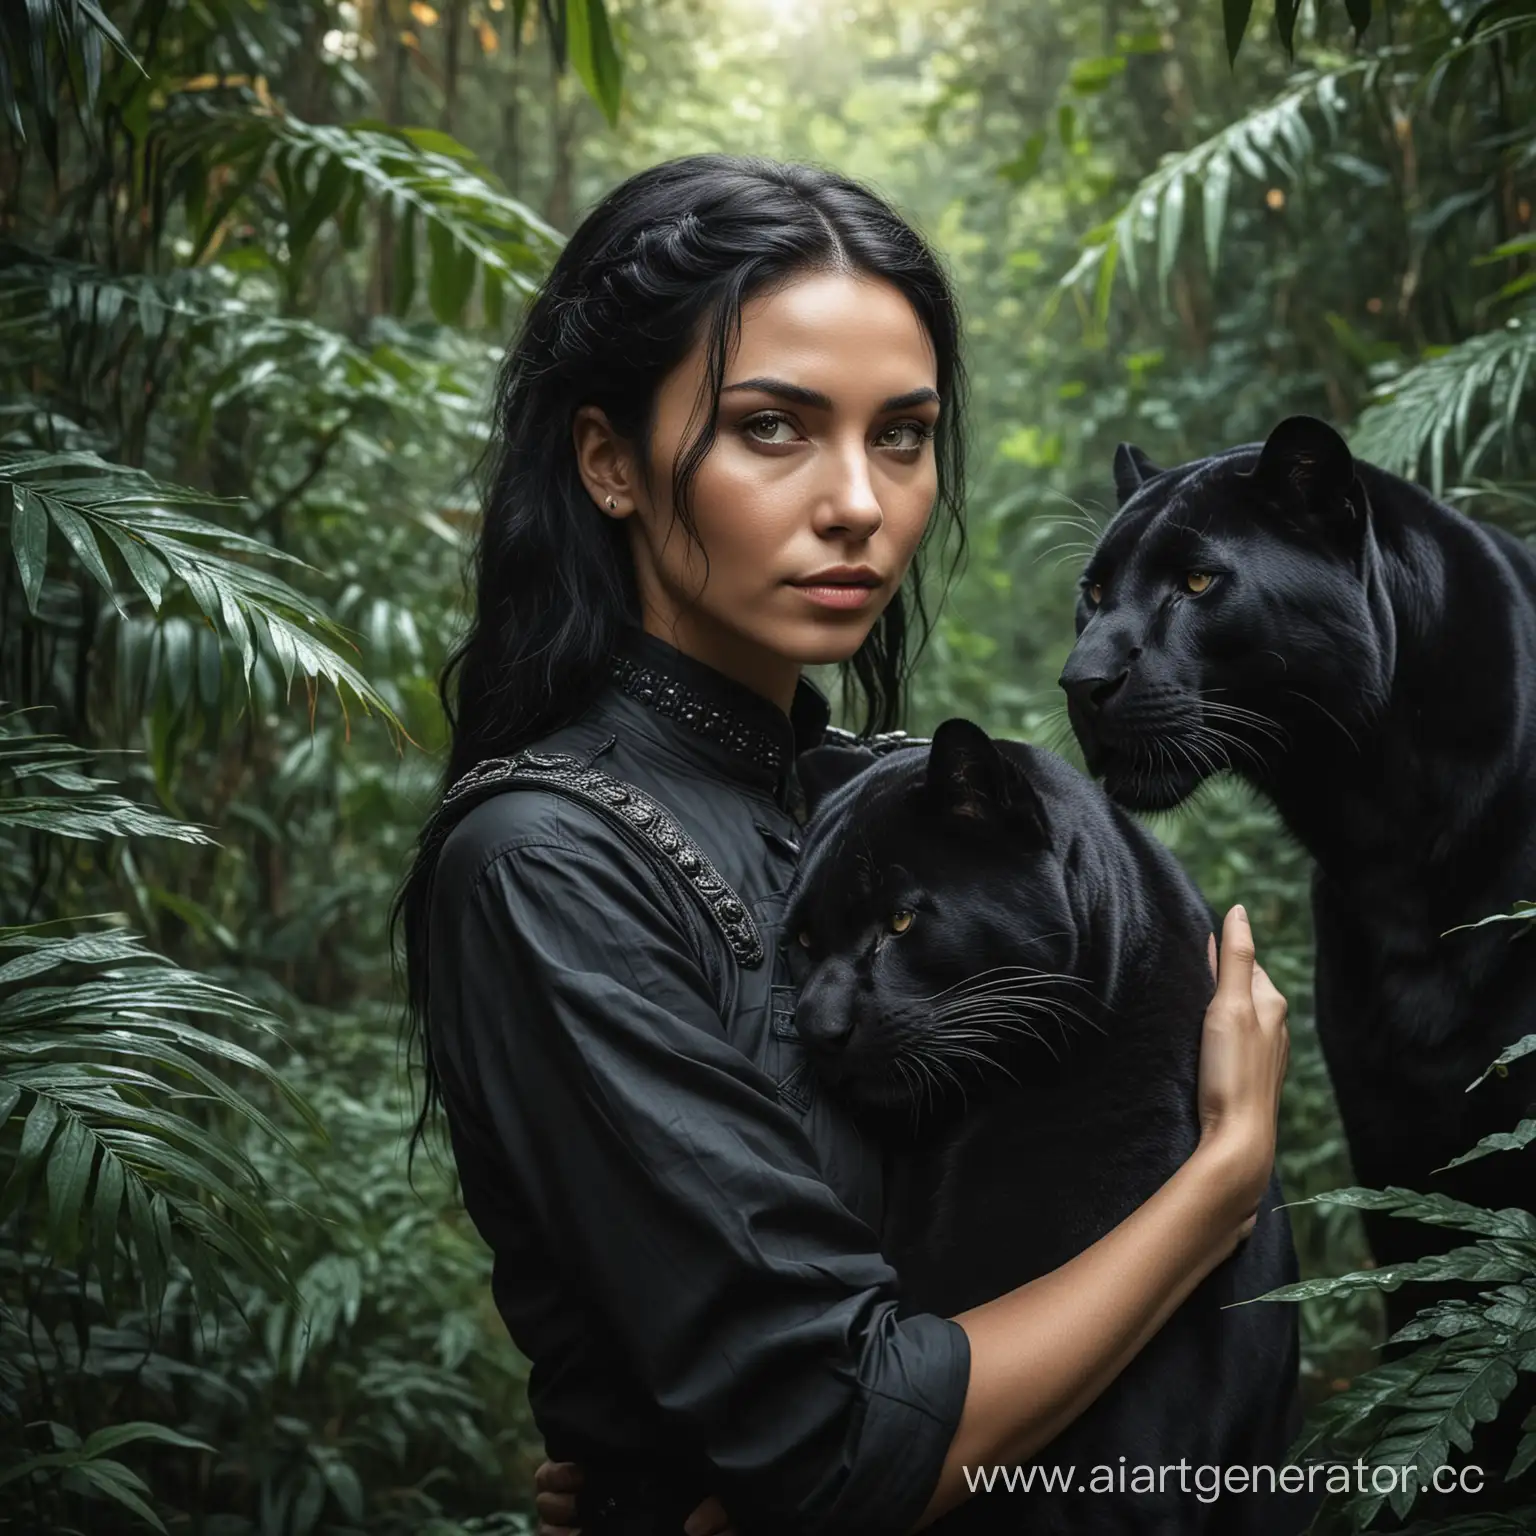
{"points": [[1096, 593], [1198, 581], [905, 436], [901, 921], [770, 429]]}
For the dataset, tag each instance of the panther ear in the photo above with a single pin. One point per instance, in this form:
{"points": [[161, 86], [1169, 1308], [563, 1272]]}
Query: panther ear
{"points": [[968, 777], [821, 770], [1307, 470], [1132, 467]]}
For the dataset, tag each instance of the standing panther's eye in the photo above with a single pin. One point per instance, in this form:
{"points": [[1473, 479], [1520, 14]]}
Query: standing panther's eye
{"points": [[901, 920], [1096, 594], [1198, 581], [805, 939]]}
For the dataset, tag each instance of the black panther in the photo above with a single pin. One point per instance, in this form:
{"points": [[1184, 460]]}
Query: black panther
{"points": [[1004, 976], [1366, 658]]}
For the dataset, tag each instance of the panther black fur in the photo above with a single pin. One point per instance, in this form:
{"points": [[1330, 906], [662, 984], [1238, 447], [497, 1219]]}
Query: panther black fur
{"points": [[1025, 1049], [1366, 657]]}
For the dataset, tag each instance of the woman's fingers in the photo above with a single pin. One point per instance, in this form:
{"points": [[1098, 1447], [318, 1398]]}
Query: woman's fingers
{"points": [[554, 1497], [709, 1519], [1234, 974], [1244, 1050]]}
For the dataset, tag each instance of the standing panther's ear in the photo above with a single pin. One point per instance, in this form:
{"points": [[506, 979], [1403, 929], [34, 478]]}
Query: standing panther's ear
{"points": [[821, 770], [968, 777], [1132, 467], [1308, 472]]}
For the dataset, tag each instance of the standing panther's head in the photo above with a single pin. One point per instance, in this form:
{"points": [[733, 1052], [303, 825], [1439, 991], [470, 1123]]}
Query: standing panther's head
{"points": [[1228, 614]]}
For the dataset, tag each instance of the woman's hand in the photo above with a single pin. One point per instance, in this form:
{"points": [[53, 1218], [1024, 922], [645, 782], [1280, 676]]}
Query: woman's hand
{"points": [[1244, 1051], [554, 1496], [709, 1519]]}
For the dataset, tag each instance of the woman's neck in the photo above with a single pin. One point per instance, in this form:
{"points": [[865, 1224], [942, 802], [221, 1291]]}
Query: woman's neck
{"points": [[763, 671]]}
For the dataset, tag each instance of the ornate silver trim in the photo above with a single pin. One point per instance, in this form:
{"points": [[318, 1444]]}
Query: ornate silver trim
{"points": [[635, 811], [881, 742], [678, 701]]}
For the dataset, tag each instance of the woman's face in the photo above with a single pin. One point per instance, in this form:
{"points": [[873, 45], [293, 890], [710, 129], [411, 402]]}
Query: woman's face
{"points": [[823, 457]]}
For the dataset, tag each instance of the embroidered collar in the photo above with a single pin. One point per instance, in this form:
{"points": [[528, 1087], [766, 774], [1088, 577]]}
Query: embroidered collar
{"points": [[751, 730]]}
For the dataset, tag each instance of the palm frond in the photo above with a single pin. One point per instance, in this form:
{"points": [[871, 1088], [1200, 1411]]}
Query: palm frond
{"points": [[105, 1062], [433, 186], [44, 43], [1478, 386], [96, 506], [85, 1467], [1276, 138], [80, 805]]}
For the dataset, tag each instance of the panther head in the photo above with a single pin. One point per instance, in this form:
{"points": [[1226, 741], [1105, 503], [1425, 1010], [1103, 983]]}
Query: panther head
{"points": [[1229, 617]]}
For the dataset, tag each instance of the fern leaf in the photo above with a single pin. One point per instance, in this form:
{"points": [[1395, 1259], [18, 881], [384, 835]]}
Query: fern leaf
{"points": [[1427, 413], [1433, 1210], [1500, 1141], [130, 507], [1499, 1067], [1275, 137], [321, 170], [106, 1067]]}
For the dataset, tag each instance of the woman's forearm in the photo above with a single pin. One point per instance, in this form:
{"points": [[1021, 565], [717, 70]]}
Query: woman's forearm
{"points": [[1042, 1353]]}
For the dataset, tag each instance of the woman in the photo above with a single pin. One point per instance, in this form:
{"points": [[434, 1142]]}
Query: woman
{"points": [[724, 428]]}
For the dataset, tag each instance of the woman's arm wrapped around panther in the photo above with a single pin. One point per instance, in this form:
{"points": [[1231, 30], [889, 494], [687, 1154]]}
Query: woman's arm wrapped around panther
{"points": [[1042, 1353]]}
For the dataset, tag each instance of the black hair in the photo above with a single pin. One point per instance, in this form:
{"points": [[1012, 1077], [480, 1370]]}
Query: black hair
{"points": [[665, 261]]}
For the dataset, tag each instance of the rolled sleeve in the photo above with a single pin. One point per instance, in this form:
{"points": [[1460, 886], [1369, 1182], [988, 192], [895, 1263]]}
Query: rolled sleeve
{"points": [[573, 1021]]}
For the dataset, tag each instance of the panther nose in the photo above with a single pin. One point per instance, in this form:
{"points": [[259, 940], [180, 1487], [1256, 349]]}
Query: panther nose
{"points": [[827, 1035], [1091, 694]]}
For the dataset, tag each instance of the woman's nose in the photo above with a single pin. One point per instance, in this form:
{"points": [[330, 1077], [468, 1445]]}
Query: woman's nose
{"points": [[849, 504]]}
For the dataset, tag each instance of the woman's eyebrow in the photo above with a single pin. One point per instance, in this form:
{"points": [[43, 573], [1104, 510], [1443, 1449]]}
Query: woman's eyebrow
{"points": [[800, 395]]}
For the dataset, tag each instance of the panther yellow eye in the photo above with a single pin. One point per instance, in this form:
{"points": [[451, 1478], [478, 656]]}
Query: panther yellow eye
{"points": [[1096, 594], [901, 921], [805, 939], [1198, 581]]}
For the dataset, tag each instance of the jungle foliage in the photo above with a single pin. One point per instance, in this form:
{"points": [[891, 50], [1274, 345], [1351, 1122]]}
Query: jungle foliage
{"points": [[257, 258]]}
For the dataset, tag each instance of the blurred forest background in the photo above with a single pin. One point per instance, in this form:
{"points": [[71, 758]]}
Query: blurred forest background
{"points": [[257, 261]]}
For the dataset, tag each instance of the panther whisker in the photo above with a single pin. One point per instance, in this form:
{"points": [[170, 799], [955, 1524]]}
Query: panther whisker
{"points": [[1307, 697]]}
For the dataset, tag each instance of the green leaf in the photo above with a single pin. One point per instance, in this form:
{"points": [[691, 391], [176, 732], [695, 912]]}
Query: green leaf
{"points": [[36, 1132], [106, 1207], [1483, 1261], [405, 260], [1500, 1141], [1026, 163], [1433, 1210], [1285, 23], [1170, 227], [1500, 1066], [1235, 15], [589, 42], [1089, 76], [69, 1172], [113, 1481], [1218, 178], [29, 541], [452, 276], [1524, 911], [78, 532], [145, 569]]}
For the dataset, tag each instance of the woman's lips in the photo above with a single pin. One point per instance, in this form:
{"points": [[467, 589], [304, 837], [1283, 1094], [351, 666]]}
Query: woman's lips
{"points": [[836, 595]]}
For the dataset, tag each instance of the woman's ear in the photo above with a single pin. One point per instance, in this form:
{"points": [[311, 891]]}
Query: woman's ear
{"points": [[605, 461]]}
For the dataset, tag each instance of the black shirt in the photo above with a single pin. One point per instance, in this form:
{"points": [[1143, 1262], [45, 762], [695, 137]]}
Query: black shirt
{"points": [[683, 1226]]}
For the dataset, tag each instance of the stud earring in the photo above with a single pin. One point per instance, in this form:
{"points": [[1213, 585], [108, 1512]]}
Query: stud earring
{"points": [[612, 504]]}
